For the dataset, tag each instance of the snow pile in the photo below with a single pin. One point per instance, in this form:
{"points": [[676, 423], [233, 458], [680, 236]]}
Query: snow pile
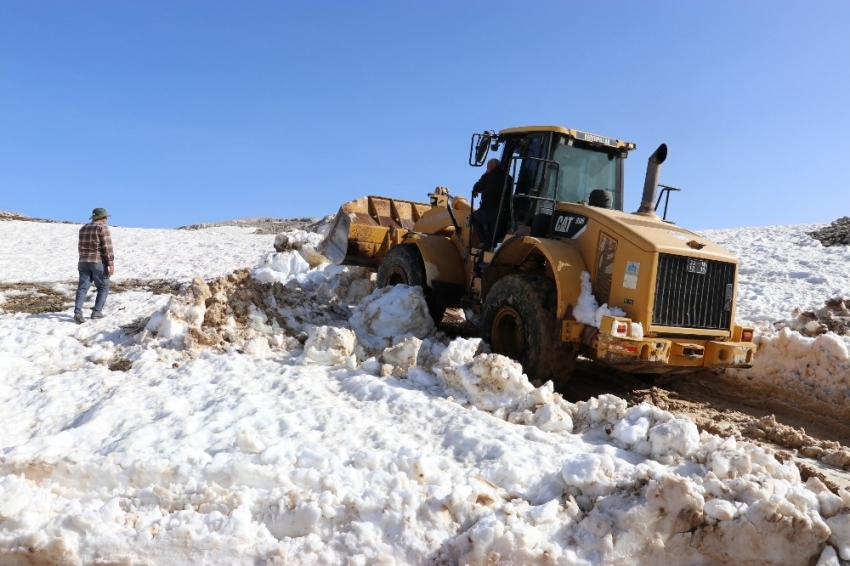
{"points": [[729, 502], [330, 346], [587, 310], [834, 316], [296, 255], [272, 305], [494, 383], [803, 368], [305, 242], [802, 359], [391, 314], [280, 267], [805, 359], [721, 486]]}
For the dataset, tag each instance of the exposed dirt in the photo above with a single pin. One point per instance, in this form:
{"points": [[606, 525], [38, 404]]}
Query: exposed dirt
{"points": [[121, 364], [816, 440], [266, 225], [834, 316], [812, 435], [155, 286], [32, 298], [39, 298], [6, 215], [229, 311]]}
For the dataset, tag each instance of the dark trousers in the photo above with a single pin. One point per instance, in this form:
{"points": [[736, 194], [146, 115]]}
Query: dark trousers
{"points": [[484, 222]]}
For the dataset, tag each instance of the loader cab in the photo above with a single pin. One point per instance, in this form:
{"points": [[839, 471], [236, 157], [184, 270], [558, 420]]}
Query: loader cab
{"points": [[550, 164]]}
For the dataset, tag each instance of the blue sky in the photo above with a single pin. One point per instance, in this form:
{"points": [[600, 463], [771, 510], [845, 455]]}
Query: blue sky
{"points": [[175, 112]]}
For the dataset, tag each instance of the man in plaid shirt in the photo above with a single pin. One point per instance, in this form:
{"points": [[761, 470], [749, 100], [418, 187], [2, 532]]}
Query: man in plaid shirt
{"points": [[96, 264]]}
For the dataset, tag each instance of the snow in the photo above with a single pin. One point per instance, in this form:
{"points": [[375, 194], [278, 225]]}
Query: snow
{"points": [[587, 310], [281, 410], [38, 252], [784, 271]]}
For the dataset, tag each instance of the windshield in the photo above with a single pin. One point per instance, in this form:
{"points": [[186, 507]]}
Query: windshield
{"points": [[582, 170]]}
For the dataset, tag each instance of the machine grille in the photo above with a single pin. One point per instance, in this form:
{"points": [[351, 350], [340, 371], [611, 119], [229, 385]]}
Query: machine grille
{"points": [[693, 293]]}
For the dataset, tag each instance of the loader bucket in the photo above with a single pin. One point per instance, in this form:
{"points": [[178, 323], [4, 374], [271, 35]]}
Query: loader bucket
{"points": [[365, 229]]}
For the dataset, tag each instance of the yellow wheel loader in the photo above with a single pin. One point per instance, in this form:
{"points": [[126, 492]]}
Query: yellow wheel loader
{"points": [[559, 225]]}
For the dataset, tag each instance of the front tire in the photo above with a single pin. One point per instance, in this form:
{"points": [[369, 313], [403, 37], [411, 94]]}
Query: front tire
{"points": [[518, 320], [403, 265]]}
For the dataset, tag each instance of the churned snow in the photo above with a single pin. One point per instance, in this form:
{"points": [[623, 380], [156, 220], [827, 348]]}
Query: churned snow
{"points": [[784, 271], [588, 310], [291, 413]]}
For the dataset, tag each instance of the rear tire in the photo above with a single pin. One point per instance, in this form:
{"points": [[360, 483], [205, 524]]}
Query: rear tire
{"points": [[518, 320], [403, 265]]}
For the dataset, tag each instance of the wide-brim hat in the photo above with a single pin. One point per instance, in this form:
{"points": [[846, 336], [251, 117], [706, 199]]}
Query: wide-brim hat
{"points": [[99, 213]]}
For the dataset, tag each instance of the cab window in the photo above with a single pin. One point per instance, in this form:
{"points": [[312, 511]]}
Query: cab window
{"points": [[583, 169]]}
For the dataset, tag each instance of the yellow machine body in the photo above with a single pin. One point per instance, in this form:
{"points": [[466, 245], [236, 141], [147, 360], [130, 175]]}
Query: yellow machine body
{"points": [[636, 262]]}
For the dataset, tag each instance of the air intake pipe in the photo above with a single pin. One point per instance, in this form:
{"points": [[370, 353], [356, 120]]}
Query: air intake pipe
{"points": [[653, 171]]}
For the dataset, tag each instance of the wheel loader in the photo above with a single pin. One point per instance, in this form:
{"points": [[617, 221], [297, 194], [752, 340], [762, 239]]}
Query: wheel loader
{"points": [[670, 292]]}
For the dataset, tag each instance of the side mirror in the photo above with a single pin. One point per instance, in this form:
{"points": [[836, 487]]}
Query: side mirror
{"points": [[479, 148]]}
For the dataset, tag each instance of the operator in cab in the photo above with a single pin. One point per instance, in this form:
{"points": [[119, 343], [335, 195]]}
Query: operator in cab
{"points": [[490, 186]]}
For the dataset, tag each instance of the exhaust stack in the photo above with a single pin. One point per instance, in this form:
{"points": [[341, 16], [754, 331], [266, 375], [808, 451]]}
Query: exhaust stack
{"points": [[650, 184]]}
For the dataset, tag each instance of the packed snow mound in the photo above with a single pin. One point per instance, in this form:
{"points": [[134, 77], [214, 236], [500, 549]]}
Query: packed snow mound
{"points": [[269, 307], [805, 360], [643, 428], [389, 315], [331, 346], [280, 267], [494, 383], [834, 316], [285, 301], [587, 309], [802, 368], [489, 381], [299, 240]]}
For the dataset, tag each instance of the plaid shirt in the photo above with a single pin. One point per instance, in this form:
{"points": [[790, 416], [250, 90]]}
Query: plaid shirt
{"points": [[95, 244]]}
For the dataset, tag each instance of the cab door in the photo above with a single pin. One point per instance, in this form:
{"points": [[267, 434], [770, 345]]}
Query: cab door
{"points": [[536, 178]]}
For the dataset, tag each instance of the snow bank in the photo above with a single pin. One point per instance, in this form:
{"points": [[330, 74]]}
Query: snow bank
{"points": [[270, 307], [391, 314], [587, 309]]}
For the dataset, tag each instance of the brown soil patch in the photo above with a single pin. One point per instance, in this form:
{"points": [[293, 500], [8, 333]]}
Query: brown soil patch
{"points": [[237, 295], [155, 286], [121, 364], [39, 298], [32, 298], [763, 421]]}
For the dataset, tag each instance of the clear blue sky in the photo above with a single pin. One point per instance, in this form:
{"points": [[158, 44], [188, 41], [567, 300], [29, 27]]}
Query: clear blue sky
{"points": [[175, 112]]}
